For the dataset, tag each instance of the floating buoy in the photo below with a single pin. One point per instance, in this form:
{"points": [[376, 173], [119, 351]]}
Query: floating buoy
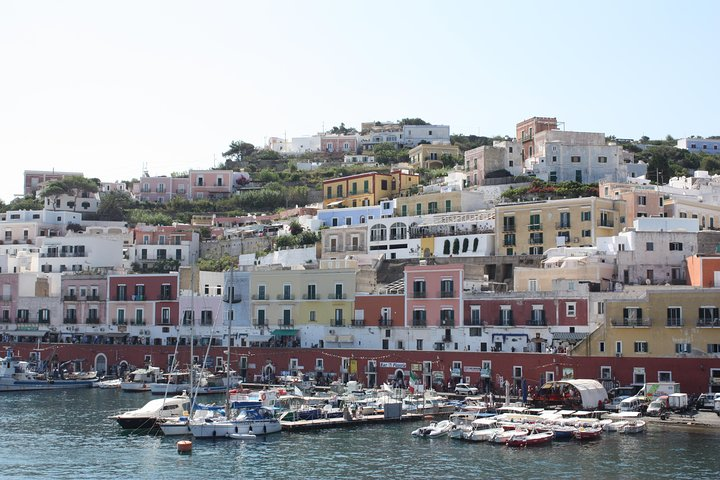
{"points": [[184, 446]]}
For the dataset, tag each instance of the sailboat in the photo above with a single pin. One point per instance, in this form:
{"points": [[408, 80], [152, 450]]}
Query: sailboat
{"points": [[242, 420]]}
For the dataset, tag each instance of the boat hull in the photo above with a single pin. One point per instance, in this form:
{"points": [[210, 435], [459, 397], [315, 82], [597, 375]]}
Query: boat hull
{"points": [[137, 423], [23, 385], [225, 429]]}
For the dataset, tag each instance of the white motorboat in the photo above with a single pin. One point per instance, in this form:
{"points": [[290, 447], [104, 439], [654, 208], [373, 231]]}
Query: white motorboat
{"points": [[503, 437], [139, 380], [148, 415], [114, 383], [435, 429], [615, 426], [633, 426], [181, 425], [483, 429], [247, 421]]}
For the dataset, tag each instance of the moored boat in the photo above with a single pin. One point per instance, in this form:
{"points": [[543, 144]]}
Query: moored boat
{"points": [[435, 429], [532, 439], [139, 380], [588, 433], [16, 375], [148, 415], [633, 426]]}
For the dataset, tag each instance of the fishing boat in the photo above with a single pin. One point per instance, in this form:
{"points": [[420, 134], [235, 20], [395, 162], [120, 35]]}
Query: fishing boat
{"points": [[148, 415], [16, 375], [139, 380]]}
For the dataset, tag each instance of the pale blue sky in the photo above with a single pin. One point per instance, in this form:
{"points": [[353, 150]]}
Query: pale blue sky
{"points": [[105, 87]]}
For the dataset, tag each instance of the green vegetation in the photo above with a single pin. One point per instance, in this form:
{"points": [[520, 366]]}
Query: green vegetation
{"points": [[541, 189], [224, 263]]}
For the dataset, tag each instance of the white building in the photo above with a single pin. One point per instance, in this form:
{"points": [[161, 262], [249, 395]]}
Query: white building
{"points": [[412, 135]]}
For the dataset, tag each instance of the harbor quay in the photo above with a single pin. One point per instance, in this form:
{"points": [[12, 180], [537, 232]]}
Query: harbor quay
{"points": [[489, 372]]}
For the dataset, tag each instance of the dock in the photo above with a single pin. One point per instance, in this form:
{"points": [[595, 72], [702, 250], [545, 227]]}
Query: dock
{"points": [[323, 423]]}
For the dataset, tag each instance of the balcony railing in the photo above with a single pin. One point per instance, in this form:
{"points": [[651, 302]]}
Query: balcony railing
{"points": [[447, 294], [141, 322], [606, 223], [92, 320], [473, 322], [385, 322], [165, 296], [674, 322], [508, 228], [708, 322], [70, 298], [535, 226], [630, 322], [286, 322], [93, 298], [447, 322], [22, 320], [357, 322], [562, 225], [6, 298], [138, 298], [505, 322], [537, 322], [70, 320], [536, 241], [419, 323], [419, 294], [288, 296], [232, 299], [337, 296], [337, 322], [260, 322], [311, 296], [258, 296], [447, 338], [4, 320]]}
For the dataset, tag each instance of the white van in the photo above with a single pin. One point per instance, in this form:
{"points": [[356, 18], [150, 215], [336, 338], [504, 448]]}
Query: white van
{"points": [[632, 404], [716, 408]]}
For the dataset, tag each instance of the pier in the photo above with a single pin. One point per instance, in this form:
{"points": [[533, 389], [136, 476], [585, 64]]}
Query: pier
{"points": [[323, 423]]}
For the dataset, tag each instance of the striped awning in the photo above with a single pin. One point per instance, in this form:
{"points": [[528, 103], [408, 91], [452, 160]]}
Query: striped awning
{"points": [[569, 336]]}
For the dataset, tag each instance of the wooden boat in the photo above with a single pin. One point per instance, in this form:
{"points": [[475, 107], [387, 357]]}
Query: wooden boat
{"points": [[634, 426], [563, 432], [531, 440], [503, 437], [588, 433]]}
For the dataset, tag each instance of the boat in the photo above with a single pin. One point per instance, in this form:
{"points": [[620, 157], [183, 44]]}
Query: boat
{"points": [[139, 380], [563, 432], [588, 433], [503, 437], [148, 415], [483, 429], [615, 426], [531, 440], [255, 420], [114, 383], [633, 426], [16, 375], [435, 429], [180, 425]]}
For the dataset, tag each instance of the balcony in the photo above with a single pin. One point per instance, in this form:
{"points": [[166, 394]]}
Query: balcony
{"points": [[232, 299], [259, 296], [138, 298], [5, 298], [674, 322], [630, 322], [287, 296], [562, 225], [117, 321], [69, 320], [385, 322], [92, 321], [508, 242], [337, 296], [447, 338], [70, 298], [142, 322], [606, 223], [535, 226], [22, 320], [475, 322], [508, 228], [93, 298], [708, 322], [447, 322], [536, 241], [5, 320], [337, 322], [357, 322], [537, 322], [286, 322], [165, 296], [419, 323], [259, 322], [419, 294], [310, 296], [505, 322], [447, 294], [44, 321]]}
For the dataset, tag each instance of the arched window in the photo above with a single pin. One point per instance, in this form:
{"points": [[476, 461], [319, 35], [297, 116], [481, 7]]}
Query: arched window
{"points": [[476, 242], [446, 247], [456, 246], [466, 244], [378, 233], [398, 231], [362, 218]]}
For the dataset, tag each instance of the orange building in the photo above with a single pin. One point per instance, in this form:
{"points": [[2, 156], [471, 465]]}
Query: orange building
{"points": [[704, 271], [367, 188]]}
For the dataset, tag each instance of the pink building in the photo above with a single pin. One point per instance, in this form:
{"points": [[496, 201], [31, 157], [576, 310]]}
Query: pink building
{"points": [[84, 299], [143, 300], [339, 143], [434, 295], [211, 183], [161, 189]]}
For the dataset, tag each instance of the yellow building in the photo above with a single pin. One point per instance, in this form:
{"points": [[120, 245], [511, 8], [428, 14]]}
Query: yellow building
{"points": [[367, 188], [533, 227], [428, 203], [673, 321], [430, 155], [284, 299]]}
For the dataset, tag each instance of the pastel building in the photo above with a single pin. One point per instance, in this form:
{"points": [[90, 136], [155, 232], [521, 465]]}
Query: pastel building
{"points": [[700, 145], [339, 143], [211, 184], [161, 189], [152, 244], [490, 161], [34, 180], [703, 271], [430, 156], [527, 129], [640, 200], [367, 188], [335, 217], [412, 135]]}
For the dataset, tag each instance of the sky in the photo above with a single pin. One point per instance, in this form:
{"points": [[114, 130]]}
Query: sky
{"points": [[112, 89]]}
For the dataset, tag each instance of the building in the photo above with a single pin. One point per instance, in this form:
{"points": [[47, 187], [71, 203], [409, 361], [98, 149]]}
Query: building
{"points": [[34, 180], [359, 159], [640, 200], [211, 184], [335, 217], [367, 188], [413, 135], [160, 189], [333, 143], [703, 271], [430, 156], [526, 130], [566, 268], [174, 243], [700, 145], [488, 165], [84, 306], [533, 227]]}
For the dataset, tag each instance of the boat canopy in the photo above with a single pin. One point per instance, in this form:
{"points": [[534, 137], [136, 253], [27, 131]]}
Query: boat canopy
{"points": [[591, 391]]}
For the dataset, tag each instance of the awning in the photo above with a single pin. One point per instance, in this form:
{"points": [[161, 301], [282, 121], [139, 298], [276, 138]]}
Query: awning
{"points": [[569, 336], [258, 338], [27, 333], [345, 338], [284, 333], [330, 338], [334, 204], [114, 334]]}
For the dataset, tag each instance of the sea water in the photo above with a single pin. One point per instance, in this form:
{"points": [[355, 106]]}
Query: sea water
{"points": [[67, 434]]}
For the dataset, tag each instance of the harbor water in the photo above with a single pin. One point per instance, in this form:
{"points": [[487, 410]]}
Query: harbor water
{"points": [[66, 434]]}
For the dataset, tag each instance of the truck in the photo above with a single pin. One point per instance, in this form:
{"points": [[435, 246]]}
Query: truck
{"points": [[653, 390]]}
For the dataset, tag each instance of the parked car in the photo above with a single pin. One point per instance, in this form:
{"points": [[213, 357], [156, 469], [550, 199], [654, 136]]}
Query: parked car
{"points": [[465, 389], [706, 401], [658, 406], [614, 405], [633, 404]]}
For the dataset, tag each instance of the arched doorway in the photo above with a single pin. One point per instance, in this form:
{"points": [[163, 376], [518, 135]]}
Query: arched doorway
{"points": [[101, 364]]}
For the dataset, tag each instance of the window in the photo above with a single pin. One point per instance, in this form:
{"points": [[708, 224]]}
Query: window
{"points": [[509, 239], [618, 347], [535, 222], [649, 246], [676, 246], [606, 373], [419, 318], [517, 372], [713, 348], [586, 216], [674, 317], [554, 158], [601, 308], [383, 184], [587, 233], [708, 316], [536, 238], [632, 316], [532, 285], [575, 159], [509, 224], [564, 220], [536, 251], [312, 316], [642, 200], [419, 344], [165, 316], [475, 315], [312, 292], [447, 288], [641, 347], [601, 347], [419, 289], [602, 159], [683, 348], [570, 309], [552, 177]]}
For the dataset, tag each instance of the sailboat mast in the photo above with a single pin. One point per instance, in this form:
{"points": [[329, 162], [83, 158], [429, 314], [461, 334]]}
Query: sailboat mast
{"points": [[230, 292], [192, 328]]}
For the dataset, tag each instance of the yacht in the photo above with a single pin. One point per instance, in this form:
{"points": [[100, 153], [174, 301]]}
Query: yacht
{"points": [[148, 415]]}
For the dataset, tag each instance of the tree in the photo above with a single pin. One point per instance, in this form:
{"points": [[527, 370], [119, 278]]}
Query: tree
{"points": [[24, 203], [413, 121], [73, 186], [385, 153], [342, 130], [295, 228], [113, 205], [239, 149]]}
